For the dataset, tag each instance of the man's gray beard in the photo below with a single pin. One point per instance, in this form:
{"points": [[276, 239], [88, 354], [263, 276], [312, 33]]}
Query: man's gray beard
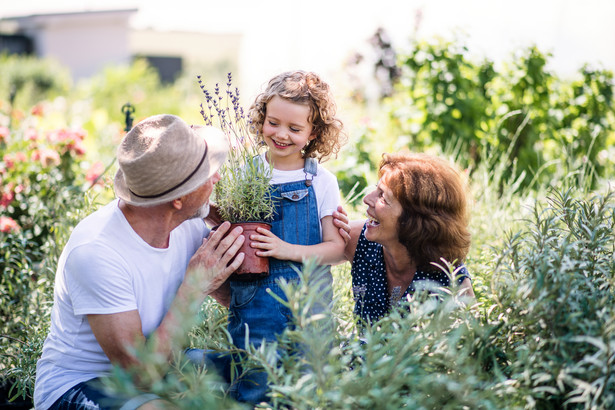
{"points": [[202, 212]]}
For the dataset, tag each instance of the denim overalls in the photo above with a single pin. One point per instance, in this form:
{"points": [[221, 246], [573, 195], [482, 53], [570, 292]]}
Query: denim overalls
{"points": [[295, 221]]}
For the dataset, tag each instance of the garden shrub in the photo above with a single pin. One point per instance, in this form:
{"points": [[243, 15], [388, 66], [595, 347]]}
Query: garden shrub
{"points": [[445, 100], [553, 289], [42, 195], [25, 81]]}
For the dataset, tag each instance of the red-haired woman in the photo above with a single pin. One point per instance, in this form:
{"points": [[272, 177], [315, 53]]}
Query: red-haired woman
{"points": [[417, 216]]}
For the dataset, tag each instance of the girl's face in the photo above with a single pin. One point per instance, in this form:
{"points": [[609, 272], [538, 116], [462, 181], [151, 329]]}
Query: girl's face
{"points": [[383, 212], [286, 130]]}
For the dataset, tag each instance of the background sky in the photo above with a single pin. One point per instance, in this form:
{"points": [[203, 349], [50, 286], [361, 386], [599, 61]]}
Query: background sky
{"points": [[321, 35]]}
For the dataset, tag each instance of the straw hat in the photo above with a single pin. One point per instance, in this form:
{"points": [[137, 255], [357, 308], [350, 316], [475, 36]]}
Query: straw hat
{"points": [[163, 158]]}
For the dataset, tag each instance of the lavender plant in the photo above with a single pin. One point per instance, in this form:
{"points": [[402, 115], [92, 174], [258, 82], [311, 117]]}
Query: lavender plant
{"points": [[242, 194]]}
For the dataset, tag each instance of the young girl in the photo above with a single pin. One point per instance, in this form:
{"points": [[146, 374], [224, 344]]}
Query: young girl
{"points": [[295, 117]]}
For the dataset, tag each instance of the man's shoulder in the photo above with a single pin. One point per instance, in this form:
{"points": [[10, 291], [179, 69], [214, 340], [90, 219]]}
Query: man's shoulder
{"points": [[103, 225]]}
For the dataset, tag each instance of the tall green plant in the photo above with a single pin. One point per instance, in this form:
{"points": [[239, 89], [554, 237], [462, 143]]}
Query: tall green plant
{"points": [[537, 121], [444, 97], [553, 284]]}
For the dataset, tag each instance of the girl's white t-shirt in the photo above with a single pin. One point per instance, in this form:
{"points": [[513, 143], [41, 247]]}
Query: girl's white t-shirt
{"points": [[106, 267], [324, 183]]}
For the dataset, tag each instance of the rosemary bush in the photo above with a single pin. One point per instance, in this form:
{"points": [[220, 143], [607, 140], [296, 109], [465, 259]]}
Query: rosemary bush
{"points": [[553, 288], [243, 192]]}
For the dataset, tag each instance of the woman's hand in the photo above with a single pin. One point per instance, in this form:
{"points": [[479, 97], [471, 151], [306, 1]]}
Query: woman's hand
{"points": [[340, 221]]}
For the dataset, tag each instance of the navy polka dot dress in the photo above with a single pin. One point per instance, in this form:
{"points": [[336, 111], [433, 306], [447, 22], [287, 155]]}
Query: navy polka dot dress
{"points": [[369, 282]]}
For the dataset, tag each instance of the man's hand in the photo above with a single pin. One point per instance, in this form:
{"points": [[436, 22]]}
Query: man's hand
{"points": [[216, 259], [207, 271]]}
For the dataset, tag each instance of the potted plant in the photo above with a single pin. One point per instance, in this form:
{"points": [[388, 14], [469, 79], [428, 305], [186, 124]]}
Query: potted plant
{"points": [[242, 195]]}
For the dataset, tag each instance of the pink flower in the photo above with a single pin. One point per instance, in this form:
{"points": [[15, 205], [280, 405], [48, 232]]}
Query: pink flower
{"points": [[4, 134], [37, 110], [9, 161], [7, 196], [48, 157], [94, 172], [79, 134], [21, 156], [31, 134], [70, 140], [8, 225], [77, 147], [58, 136]]}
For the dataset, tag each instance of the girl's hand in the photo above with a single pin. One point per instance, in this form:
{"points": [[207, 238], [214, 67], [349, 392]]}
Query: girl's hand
{"points": [[269, 244]]}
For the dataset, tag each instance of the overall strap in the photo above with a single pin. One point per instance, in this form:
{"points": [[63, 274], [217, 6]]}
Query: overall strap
{"points": [[310, 167]]}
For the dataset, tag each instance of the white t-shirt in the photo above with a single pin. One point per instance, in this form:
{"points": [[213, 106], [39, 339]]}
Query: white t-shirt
{"points": [[324, 183], [107, 268]]}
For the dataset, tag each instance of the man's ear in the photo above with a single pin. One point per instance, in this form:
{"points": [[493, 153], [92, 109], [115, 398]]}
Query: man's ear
{"points": [[178, 203]]}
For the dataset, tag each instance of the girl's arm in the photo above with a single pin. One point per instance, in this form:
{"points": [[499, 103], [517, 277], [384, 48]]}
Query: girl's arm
{"points": [[349, 230], [329, 251]]}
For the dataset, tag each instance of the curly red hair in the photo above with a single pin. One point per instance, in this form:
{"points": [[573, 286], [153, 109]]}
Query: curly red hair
{"points": [[434, 220], [305, 88]]}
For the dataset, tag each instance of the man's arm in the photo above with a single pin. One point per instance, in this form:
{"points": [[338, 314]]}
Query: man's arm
{"points": [[208, 269]]}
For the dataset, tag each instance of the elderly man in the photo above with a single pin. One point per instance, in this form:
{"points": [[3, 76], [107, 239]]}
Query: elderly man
{"points": [[137, 267]]}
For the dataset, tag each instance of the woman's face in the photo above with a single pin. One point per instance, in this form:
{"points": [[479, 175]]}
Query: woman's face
{"points": [[383, 212]]}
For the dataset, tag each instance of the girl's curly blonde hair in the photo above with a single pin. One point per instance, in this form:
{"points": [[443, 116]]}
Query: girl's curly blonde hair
{"points": [[308, 89]]}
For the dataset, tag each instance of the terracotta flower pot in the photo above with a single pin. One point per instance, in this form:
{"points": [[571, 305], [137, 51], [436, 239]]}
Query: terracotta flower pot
{"points": [[252, 267]]}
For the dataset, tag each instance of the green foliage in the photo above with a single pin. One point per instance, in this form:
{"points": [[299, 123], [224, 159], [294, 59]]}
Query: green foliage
{"points": [[42, 177], [521, 112], [444, 97], [42, 196], [26, 81], [553, 285]]}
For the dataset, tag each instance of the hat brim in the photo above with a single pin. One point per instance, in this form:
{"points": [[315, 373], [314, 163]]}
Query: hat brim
{"points": [[217, 151]]}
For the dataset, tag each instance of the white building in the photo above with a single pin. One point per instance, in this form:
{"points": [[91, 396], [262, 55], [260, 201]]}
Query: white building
{"points": [[87, 41]]}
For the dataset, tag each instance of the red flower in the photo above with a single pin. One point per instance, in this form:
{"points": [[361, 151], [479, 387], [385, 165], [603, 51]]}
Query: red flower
{"points": [[8, 225]]}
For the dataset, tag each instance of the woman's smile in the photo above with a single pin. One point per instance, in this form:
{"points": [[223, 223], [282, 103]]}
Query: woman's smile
{"points": [[371, 221]]}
